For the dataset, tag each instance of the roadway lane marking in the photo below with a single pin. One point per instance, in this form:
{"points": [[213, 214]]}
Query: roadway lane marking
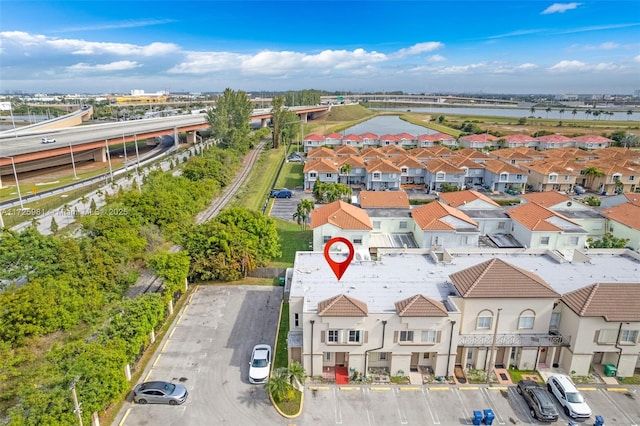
{"points": [[156, 361], [172, 331], [146, 378], [126, 413], [164, 346]]}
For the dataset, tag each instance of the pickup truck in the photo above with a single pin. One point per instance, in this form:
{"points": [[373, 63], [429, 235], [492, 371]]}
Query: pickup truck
{"points": [[282, 193]]}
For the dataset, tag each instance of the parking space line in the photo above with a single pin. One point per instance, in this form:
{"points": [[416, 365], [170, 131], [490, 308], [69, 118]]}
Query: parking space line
{"points": [[172, 331], [126, 413], [586, 389], [403, 417], [617, 389], [439, 389], [337, 411], [464, 409], [349, 388], [415, 388], [469, 388], [156, 361], [164, 346], [485, 395], [427, 400], [367, 403], [379, 389], [620, 410], [521, 404], [146, 378]]}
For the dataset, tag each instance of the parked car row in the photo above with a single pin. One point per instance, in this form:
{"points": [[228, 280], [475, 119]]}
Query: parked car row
{"points": [[541, 406]]}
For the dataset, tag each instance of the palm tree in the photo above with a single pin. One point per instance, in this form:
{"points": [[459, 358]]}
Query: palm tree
{"points": [[345, 170], [574, 112], [629, 115], [561, 111], [548, 110], [533, 110], [278, 385], [296, 375], [587, 113], [591, 173], [302, 212]]}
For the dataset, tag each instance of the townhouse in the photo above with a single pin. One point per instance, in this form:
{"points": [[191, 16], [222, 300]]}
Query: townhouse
{"points": [[410, 310]]}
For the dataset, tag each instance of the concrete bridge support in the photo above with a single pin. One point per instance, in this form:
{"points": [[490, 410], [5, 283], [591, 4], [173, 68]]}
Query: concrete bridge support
{"points": [[100, 155], [191, 138]]}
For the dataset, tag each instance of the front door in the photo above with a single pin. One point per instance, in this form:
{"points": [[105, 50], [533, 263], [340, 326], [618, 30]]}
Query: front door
{"points": [[415, 356], [340, 359]]}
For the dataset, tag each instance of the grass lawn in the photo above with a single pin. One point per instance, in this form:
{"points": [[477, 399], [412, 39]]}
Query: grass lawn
{"points": [[255, 190], [291, 176], [517, 375], [292, 239], [281, 358], [291, 406], [633, 380]]}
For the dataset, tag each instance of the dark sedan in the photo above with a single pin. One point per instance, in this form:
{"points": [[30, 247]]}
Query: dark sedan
{"points": [[539, 401]]}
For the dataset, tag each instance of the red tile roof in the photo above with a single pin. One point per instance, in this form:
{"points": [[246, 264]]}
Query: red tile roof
{"points": [[381, 165], [496, 278], [389, 199], [537, 218], [342, 306], [626, 213], [484, 137], [321, 165], [460, 198], [546, 198], [440, 165], [611, 301], [420, 306], [429, 217], [342, 215], [321, 152], [497, 167]]}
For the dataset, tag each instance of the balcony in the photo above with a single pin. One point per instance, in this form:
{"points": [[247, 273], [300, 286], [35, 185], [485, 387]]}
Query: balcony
{"points": [[520, 339]]}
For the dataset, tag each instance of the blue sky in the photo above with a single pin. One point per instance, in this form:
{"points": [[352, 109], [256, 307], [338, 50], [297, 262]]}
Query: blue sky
{"points": [[503, 46]]}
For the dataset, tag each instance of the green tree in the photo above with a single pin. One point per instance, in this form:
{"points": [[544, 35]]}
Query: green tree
{"points": [[629, 112], [561, 111], [54, 225], [326, 192], [345, 170], [607, 241], [303, 210], [278, 385], [284, 122], [533, 110], [574, 112], [591, 173], [296, 375], [548, 110], [230, 120]]}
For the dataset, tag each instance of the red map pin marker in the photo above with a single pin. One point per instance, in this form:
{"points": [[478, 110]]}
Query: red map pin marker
{"points": [[338, 267]]}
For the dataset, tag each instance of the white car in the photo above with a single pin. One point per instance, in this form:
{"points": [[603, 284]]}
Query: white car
{"points": [[568, 396], [260, 364], [48, 140]]}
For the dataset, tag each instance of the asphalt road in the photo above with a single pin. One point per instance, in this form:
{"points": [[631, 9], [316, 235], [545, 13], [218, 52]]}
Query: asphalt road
{"points": [[208, 348]]}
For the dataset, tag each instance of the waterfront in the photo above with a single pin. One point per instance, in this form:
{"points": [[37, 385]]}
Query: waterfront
{"points": [[388, 124]]}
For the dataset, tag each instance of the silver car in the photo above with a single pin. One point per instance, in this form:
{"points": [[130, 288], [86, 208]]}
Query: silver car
{"points": [[160, 393]]}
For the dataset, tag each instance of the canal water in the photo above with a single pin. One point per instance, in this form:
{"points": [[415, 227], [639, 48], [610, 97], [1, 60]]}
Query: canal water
{"points": [[388, 124]]}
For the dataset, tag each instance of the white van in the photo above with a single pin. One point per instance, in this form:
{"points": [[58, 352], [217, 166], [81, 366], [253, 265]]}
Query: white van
{"points": [[48, 140], [569, 397]]}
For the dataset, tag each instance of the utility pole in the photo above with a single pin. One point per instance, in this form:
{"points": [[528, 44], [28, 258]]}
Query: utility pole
{"points": [[76, 405]]}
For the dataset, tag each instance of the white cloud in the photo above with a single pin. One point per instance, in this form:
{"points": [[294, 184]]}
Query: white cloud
{"points": [[461, 69], [577, 66], [560, 8], [419, 48], [637, 58], [113, 66], [436, 58]]}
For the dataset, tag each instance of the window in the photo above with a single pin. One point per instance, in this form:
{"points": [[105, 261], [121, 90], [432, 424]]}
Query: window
{"points": [[552, 178], [328, 175], [519, 177], [607, 337], [426, 355], [484, 320], [404, 170], [377, 175], [327, 356], [429, 336], [313, 175], [357, 240], [406, 336], [326, 238], [354, 336], [382, 356], [440, 176], [504, 176], [566, 177], [573, 241], [628, 336], [332, 336], [403, 225], [555, 321], [501, 225], [526, 320], [632, 178], [296, 320], [544, 241]]}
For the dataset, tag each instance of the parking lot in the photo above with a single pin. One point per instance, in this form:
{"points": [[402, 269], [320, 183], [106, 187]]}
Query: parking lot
{"points": [[447, 405], [208, 347]]}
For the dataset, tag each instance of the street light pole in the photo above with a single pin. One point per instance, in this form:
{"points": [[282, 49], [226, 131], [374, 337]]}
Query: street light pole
{"points": [[493, 347], [15, 176], [73, 163], [76, 404], [106, 143]]}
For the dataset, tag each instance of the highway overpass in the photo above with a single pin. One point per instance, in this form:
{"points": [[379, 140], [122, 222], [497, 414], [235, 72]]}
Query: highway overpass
{"points": [[25, 151]]}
